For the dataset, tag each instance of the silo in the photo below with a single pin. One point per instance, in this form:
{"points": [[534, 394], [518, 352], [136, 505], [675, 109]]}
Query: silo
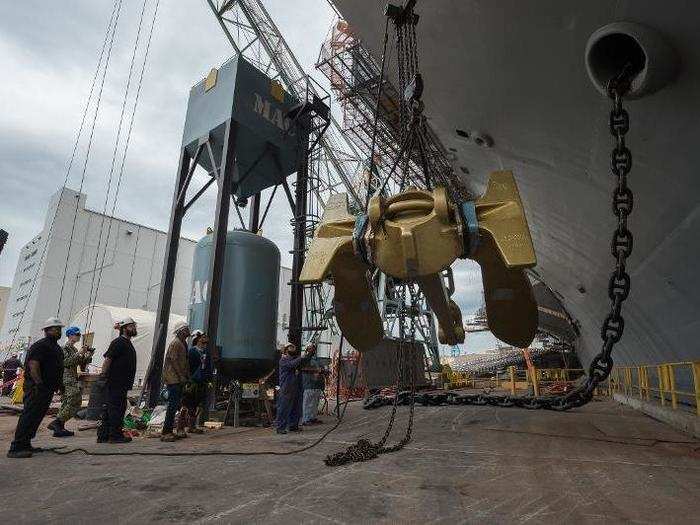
{"points": [[247, 332]]}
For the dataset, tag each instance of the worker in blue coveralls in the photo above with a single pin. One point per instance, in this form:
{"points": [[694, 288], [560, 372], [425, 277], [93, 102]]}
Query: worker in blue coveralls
{"points": [[289, 403]]}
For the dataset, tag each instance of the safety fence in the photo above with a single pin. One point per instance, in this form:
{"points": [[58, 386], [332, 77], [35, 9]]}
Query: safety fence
{"points": [[537, 381], [674, 385]]}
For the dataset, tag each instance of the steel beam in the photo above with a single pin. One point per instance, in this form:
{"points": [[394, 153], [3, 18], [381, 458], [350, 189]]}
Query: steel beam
{"points": [[296, 302], [254, 217], [223, 203], [172, 243]]}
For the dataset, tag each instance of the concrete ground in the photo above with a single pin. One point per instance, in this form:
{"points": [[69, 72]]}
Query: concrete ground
{"points": [[466, 464]]}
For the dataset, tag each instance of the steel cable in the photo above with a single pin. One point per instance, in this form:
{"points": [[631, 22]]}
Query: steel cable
{"points": [[89, 145], [126, 145], [65, 179]]}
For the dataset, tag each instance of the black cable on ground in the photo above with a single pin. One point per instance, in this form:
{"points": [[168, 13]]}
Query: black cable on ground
{"points": [[319, 440], [205, 453]]}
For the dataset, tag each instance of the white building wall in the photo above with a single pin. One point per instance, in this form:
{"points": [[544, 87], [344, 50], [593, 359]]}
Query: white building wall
{"points": [[4, 296], [130, 267]]}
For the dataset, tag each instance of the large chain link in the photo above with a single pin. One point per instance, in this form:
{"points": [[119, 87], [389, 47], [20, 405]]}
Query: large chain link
{"points": [[365, 450], [621, 245]]}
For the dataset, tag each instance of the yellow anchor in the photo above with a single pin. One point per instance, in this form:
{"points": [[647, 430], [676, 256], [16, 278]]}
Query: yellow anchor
{"points": [[414, 236]]}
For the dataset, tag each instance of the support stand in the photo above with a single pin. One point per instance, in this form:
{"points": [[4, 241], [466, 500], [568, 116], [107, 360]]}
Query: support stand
{"points": [[224, 176]]}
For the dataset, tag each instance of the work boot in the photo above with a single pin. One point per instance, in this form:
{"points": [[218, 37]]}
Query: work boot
{"points": [[59, 431], [181, 434], [195, 430], [281, 430], [295, 429], [120, 439], [168, 437], [17, 454]]}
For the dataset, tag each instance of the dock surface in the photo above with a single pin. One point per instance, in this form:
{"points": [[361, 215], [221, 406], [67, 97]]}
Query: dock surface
{"points": [[466, 464]]}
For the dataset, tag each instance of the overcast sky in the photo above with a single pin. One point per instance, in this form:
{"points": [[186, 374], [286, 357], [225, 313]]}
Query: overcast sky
{"points": [[48, 53]]}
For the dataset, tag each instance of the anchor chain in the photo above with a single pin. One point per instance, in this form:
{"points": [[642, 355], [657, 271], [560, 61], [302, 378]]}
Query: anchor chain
{"points": [[365, 450], [621, 245], [618, 285]]}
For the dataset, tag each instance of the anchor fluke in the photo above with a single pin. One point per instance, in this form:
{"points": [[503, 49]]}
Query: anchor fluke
{"points": [[414, 236]]}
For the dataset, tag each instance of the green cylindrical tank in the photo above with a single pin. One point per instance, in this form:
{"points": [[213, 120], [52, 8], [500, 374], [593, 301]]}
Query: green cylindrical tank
{"points": [[247, 331]]}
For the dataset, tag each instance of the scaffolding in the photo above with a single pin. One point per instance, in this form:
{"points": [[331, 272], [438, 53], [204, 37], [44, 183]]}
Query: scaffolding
{"points": [[354, 76]]}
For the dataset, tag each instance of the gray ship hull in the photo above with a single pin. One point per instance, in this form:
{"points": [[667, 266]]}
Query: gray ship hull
{"points": [[515, 70]]}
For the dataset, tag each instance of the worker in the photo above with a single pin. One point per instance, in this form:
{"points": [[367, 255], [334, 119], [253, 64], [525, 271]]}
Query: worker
{"points": [[314, 383], [44, 365], [176, 372], [9, 374], [290, 398], [195, 391], [118, 372], [72, 398]]}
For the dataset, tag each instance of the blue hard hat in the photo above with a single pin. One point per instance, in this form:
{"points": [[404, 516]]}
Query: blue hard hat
{"points": [[73, 330]]}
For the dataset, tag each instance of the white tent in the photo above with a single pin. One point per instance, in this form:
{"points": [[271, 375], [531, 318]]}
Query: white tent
{"points": [[102, 325]]}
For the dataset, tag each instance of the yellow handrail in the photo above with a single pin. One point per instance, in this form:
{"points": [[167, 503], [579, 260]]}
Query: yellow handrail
{"points": [[656, 383], [635, 381]]}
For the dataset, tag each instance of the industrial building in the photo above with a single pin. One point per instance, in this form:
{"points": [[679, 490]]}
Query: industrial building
{"points": [[130, 269], [4, 296]]}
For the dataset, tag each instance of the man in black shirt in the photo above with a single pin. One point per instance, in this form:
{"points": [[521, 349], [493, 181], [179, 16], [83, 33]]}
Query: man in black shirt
{"points": [[118, 372], [43, 376]]}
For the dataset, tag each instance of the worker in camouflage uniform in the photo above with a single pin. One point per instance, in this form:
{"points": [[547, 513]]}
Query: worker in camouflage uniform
{"points": [[71, 397]]}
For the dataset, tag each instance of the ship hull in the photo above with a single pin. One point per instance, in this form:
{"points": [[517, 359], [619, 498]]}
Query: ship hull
{"points": [[515, 70]]}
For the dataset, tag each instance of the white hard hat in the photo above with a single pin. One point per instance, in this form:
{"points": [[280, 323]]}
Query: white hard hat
{"points": [[51, 322], [179, 326], [125, 321], [197, 333]]}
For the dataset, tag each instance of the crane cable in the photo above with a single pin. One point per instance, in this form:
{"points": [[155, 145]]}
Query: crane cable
{"points": [[91, 300], [67, 175], [112, 30]]}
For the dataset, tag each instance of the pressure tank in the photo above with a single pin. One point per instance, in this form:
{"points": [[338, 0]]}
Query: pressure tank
{"points": [[247, 331]]}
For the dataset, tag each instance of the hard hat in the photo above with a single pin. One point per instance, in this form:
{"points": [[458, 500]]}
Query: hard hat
{"points": [[51, 322], [179, 326], [73, 330], [125, 321], [196, 335]]}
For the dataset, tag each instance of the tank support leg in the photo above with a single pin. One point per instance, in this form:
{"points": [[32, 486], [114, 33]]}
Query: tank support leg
{"points": [[223, 203], [155, 366], [224, 177], [254, 217], [296, 306]]}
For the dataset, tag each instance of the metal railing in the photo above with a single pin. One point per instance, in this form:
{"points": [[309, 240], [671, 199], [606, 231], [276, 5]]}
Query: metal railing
{"points": [[675, 385], [537, 381], [670, 384]]}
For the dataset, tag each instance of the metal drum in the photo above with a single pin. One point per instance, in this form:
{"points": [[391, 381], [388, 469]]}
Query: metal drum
{"points": [[247, 329]]}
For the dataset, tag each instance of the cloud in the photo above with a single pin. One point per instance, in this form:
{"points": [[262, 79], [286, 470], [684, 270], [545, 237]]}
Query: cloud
{"points": [[48, 56]]}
